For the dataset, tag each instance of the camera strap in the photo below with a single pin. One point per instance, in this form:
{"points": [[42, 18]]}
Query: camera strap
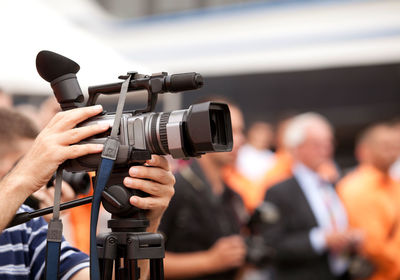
{"points": [[108, 157], [54, 233]]}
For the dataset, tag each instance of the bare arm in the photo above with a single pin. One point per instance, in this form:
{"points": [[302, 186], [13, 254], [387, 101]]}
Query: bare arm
{"points": [[52, 147], [83, 274]]}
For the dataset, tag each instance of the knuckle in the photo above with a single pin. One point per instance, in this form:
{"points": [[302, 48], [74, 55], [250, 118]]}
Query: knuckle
{"points": [[74, 150], [151, 204], [173, 180], [164, 177], [151, 187], [155, 160], [60, 115], [171, 191], [74, 135]]}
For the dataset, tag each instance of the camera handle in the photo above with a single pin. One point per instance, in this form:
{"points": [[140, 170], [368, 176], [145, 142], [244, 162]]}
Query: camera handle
{"points": [[154, 84]]}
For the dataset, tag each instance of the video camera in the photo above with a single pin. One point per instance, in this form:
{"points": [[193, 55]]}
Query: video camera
{"points": [[200, 129]]}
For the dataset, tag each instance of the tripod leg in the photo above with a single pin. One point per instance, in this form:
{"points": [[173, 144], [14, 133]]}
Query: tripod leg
{"points": [[107, 269], [133, 269], [156, 269]]}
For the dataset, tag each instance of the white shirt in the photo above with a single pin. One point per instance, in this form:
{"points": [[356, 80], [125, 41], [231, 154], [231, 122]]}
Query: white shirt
{"points": [[315, 191]]}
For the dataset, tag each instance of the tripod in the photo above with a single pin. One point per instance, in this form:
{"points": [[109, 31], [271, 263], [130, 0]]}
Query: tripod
{"points": [[128, 242]]}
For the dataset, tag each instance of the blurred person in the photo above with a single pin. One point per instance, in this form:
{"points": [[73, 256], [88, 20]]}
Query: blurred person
{"points": [[5, 99], [17, 133], [203, 222], [23, 246], [310, 234], [395, 167], [282, 167], [372, 199], [283, 164], [30, 111], [255, 157]]}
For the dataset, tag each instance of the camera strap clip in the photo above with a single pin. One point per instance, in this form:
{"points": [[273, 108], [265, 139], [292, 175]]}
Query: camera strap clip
{"points": [[110, 150]]}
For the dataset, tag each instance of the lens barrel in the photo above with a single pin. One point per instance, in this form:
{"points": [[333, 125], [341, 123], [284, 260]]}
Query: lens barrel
{"points": [[203, 128]]}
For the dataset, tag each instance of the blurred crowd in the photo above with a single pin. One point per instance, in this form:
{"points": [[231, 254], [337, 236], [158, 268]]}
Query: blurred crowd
{"points": [[278, 206]]}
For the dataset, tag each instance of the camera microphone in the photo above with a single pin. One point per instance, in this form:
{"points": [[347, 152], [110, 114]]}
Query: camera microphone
{"points": [[183, 82]]}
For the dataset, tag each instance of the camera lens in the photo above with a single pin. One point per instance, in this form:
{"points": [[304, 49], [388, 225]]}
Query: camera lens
{"points": [[204, 127]]}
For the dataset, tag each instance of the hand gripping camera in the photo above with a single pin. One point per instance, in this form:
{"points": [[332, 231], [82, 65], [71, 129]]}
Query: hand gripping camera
{"points": [[202, 128]]}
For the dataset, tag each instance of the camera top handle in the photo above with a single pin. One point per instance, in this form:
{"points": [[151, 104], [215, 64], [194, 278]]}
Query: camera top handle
{"points": [[154, 84]]}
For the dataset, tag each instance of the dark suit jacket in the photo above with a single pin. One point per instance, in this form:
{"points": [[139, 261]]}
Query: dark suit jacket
{"points": [[294, 257]]}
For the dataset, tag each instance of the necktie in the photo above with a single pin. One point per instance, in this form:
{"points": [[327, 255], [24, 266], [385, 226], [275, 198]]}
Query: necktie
{"points": [[328, 199]]}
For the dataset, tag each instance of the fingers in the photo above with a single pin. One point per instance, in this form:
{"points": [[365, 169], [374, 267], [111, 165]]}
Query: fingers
{"points": [[77, 150], [150, 187], [152, 173], [69, 119], [149, 203], [78, 134], [155, 180]]}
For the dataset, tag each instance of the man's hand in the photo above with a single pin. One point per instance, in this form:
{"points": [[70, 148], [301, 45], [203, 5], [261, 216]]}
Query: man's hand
{"points": [[156, 179], [343, 241], [54, 145], [228, 252]]}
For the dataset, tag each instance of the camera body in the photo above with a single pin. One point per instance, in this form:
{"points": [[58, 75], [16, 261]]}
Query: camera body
{"points": [[180, 133]]}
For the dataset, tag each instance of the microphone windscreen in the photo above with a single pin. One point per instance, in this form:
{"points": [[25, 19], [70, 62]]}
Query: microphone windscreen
{"points": [[51, 65]]}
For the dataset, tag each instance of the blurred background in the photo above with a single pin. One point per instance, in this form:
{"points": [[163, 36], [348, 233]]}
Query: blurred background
{"points": [[275, 58]]}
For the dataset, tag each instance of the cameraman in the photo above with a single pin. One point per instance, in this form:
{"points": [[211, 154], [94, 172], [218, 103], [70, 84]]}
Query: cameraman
{"points": [[203, 222], [23, 247]]}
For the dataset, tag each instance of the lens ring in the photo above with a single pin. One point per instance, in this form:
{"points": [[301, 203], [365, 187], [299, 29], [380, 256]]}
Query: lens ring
{"points": [[154, 139], [163, 131]]}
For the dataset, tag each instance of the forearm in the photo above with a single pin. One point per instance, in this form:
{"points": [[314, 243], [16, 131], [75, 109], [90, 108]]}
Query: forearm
{"points": [[183, 265]]}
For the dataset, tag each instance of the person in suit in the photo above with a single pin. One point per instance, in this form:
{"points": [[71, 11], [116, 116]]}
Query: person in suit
{"points": [[310, 235]]}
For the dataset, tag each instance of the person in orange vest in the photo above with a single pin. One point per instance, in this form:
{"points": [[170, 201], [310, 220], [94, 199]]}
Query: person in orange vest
{"points": [[372, 200]]}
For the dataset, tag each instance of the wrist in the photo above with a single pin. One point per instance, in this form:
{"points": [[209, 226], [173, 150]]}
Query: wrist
{"points": [[17, 184], [153, 225], [24, 174]]}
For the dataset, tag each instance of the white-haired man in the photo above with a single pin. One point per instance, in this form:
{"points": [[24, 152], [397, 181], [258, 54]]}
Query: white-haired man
{"points": [[311, 232]]}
